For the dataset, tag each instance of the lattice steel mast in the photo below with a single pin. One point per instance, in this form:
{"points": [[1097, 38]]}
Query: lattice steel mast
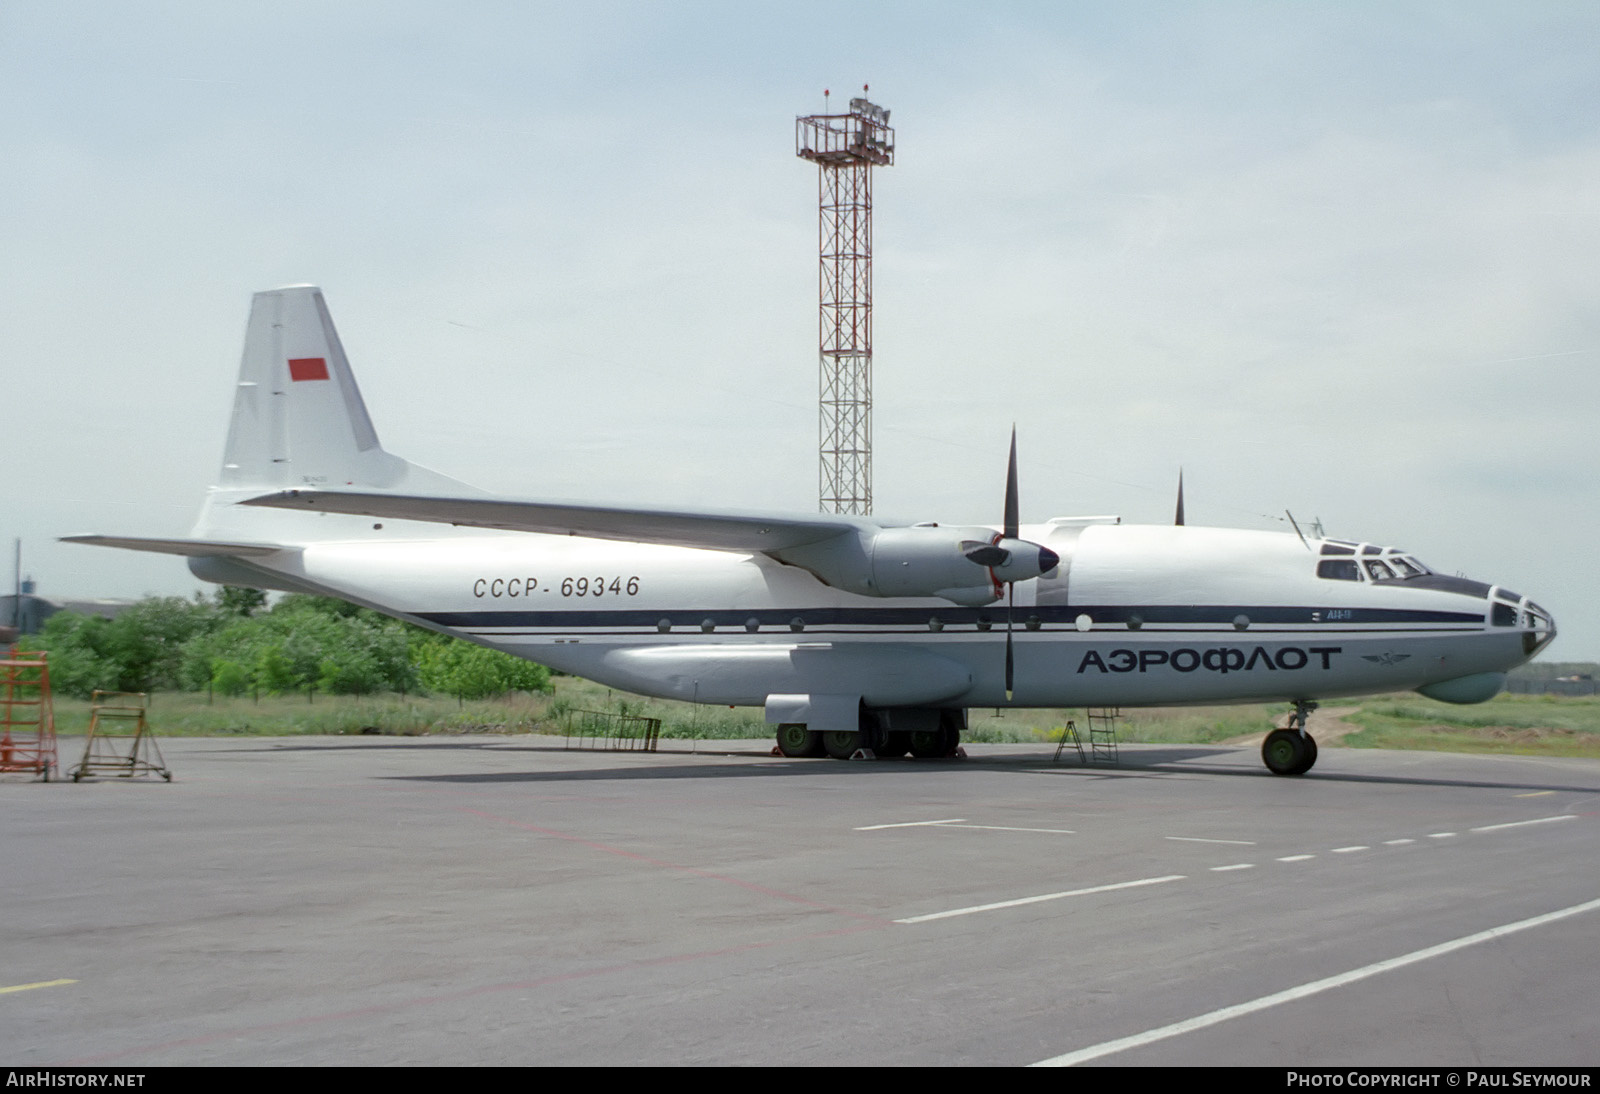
{"points": [[845, 148]]}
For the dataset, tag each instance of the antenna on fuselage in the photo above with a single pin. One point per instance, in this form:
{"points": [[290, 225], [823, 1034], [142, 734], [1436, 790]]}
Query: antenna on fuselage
{"points": [[1178, 517], [1297, 530]]}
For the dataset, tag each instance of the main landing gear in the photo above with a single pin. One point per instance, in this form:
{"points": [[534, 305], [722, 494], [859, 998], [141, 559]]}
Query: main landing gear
{"points": [[1291, 751], [940, 737]]}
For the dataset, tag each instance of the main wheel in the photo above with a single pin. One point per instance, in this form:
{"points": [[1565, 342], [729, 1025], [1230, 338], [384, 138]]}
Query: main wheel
{"points": [[1288, 752], [841, 744], [932, 744], [895, 743], [796, 741]]}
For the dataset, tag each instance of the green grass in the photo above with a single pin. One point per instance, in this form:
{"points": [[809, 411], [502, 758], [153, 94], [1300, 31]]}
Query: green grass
{"points": [[1174, 725], [1526, 725], [194, 714]]}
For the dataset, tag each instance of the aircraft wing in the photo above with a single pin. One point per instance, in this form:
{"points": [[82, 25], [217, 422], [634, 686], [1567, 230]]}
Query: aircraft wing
{"points": [[194, 548], [728, 530]]}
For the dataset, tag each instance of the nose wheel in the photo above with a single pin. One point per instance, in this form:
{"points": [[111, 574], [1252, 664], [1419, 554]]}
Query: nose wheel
{"points": [[1291, 751]]}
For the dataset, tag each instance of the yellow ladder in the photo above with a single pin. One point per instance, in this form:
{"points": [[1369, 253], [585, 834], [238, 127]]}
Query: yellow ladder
{"points": [[115, 747]]}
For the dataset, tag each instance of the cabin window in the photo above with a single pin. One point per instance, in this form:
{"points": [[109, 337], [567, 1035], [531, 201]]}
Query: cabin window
{"points": [[1339, 569]]}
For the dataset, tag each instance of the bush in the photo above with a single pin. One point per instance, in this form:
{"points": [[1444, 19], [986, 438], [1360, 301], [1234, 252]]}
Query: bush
{"points": [[451, 666]]}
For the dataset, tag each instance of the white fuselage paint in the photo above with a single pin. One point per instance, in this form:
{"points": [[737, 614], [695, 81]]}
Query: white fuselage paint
{"points": [[1134, 615]]}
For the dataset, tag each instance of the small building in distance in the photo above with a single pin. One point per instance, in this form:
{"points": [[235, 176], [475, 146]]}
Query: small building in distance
{"points": [[26, 614]]}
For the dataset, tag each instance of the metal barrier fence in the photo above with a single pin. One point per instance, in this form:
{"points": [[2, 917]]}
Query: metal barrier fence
{"points": [[599, 730]]}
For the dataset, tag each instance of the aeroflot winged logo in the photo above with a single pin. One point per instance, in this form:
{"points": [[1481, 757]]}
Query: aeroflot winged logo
{"points": [[308, 368]]}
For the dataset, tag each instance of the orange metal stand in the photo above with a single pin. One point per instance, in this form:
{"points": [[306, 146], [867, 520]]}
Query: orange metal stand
{"points": [[27, 721]]}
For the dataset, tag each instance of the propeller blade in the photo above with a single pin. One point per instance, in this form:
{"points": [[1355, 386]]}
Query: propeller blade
{"points": [[1010, 667], [1012, 514], [1178, 520]]}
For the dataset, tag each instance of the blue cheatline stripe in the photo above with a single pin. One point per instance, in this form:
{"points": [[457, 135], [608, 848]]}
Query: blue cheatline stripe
{"points": [[1047, 614]]}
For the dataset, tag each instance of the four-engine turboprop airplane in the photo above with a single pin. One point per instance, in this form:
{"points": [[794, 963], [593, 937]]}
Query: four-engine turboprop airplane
{"points": [[851, 631]]}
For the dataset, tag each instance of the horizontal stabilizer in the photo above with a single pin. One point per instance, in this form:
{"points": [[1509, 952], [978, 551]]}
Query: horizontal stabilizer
{"points": [[718, 530], [194, 548]]}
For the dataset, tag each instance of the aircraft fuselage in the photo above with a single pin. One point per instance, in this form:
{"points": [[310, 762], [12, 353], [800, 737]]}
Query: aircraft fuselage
{"points": [[1133, 616]]}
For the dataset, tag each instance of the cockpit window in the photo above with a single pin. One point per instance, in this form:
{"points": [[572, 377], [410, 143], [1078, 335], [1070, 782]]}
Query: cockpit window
{"points": [[1505, 615], [1368, 562]]}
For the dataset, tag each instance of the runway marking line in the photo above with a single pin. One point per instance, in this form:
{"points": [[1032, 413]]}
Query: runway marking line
{"points": [[911, 824], [997, 905], [960, 822], [1004, 828], [1441, 835], [1198, 839], [1239, 1010], [1534, 794], [1523, 824], [1397, 842], [1296, 858], [1235, 866], [40, 984], [1347, 850]]}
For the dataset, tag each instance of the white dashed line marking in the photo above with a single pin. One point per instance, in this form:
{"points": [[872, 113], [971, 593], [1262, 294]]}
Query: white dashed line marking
{"points": [[1440, 835], [1347, 850], [1296, 858], [1397, 842], [1235, 866], [1197, 839]]}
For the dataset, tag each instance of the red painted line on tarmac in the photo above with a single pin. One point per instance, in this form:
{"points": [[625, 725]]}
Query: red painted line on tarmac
{"points": [[468, 993], [777, 894]]}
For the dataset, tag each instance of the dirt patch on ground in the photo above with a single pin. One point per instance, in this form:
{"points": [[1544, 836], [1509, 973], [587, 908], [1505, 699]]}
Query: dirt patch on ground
{"points": [[1326, 724]]}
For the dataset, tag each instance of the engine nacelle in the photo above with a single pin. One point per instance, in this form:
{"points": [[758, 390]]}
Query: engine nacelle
{"points": [[931, 561], [965, 565]]}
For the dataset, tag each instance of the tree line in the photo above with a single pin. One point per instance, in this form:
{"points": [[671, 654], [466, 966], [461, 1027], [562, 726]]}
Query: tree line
{"points": [[234, 643]]}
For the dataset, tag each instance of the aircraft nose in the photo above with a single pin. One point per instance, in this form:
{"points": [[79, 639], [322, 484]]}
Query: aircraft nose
{"points": [[1540, 630]]}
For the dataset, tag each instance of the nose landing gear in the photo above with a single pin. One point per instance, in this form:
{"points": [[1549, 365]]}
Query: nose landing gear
{"points": [[1291, 751]]}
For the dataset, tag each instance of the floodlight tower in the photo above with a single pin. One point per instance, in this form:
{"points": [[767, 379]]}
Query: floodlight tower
{"points": [[845, 148]]}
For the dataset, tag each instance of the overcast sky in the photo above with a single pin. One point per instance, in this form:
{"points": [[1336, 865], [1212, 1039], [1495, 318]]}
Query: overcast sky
{"points": [[1334, 258]]}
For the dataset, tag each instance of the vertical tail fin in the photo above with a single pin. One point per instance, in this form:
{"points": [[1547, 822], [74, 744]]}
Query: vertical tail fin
{"points": [[299, 420], [298, 417]]}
